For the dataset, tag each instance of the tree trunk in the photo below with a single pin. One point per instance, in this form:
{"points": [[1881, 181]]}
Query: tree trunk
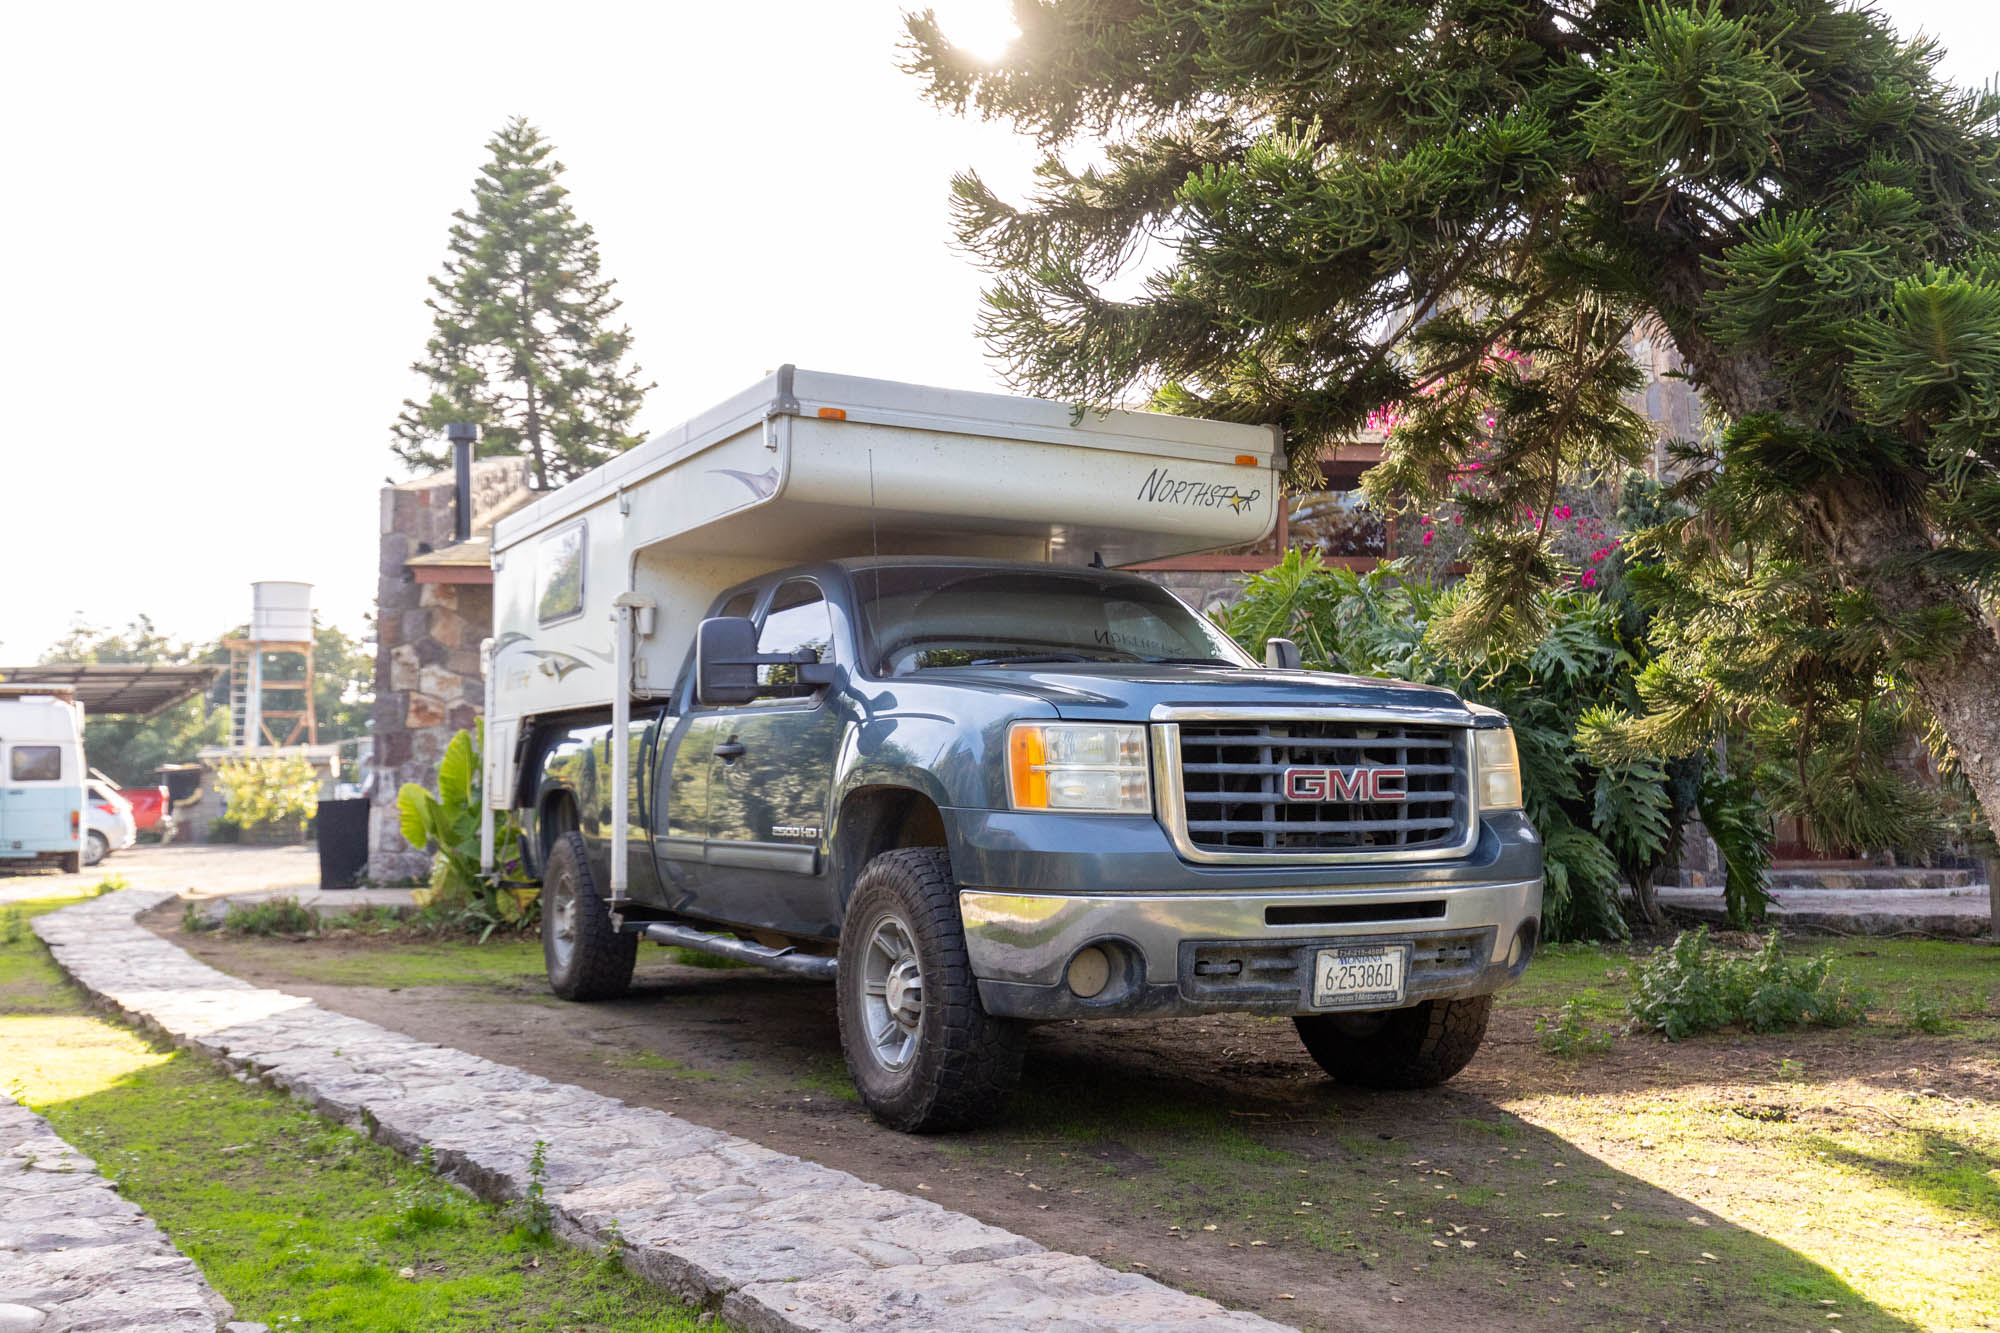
{"points": [[1646, 901], [1873, 539], [1871, 535]]}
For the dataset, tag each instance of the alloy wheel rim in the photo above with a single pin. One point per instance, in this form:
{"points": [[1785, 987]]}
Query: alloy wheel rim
{"points": [[892, 992], [562, 925]]}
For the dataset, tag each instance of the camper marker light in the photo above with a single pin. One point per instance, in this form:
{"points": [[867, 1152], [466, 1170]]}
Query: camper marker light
{"points": [[833, 414], [1246, 460], [1499, 768], [1084, 766]]}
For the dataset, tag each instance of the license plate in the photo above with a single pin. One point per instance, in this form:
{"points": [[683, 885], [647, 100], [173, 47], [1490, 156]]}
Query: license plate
{"points": [[1361, 976]]}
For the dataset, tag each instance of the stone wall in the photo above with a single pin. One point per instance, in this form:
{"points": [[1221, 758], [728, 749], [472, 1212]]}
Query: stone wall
{"points": [[428, 682]]}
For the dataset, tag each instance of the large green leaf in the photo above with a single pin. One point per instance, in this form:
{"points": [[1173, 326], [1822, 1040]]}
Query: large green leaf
{"points": [[417, 809], [455, 773]]}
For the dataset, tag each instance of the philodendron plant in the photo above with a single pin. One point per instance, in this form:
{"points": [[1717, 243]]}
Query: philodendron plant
{"points": [[447, 823]]}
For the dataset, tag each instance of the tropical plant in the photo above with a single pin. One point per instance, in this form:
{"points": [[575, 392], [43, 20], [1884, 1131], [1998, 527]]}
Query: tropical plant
{"points": [[1602, 820], [278, 791], [522, 343], [1466, 210], [446, 823]]}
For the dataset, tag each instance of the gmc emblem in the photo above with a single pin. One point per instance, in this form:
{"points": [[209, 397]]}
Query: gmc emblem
{"points": [[1346, 784]]}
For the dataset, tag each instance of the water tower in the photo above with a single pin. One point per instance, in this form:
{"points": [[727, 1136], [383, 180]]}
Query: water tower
{"points": [[281, 624]]}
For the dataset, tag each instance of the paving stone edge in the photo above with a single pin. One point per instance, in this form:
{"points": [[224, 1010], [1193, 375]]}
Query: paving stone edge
{"points": [[778, 1244]]}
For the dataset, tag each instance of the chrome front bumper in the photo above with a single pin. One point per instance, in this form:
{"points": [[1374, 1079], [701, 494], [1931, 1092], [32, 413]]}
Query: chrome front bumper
{"points": [[1206, 951]]}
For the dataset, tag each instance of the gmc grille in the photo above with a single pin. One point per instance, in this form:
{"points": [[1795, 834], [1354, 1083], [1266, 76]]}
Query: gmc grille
{"points": [[1232, 776]]}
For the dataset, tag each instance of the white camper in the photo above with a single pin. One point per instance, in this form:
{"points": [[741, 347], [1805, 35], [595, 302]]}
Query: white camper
{"points": [[41, 776], [598, 587]]}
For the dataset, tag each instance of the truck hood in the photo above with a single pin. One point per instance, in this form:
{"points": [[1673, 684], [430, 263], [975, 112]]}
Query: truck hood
{"points": [[1124, 691]]}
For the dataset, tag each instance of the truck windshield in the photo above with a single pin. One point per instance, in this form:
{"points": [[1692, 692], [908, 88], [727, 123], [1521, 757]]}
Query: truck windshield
{"points": [[921, 617]]}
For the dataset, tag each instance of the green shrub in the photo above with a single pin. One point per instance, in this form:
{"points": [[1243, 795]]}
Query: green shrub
{"points": [[273, 916], [1928, 1013], [111, 884], [13, 926], [275, 791], [196, 921], [1690, 988], [1569, 1034]]}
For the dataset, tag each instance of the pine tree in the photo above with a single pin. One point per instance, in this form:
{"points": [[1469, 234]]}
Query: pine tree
{"points": [[522, 344], [1306, 213]]}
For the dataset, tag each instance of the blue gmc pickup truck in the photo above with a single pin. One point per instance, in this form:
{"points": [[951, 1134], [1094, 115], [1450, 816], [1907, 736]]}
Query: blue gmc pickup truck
{"points": [[976, 795]]}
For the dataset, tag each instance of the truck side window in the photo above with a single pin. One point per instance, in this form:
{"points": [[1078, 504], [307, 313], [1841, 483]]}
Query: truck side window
{"points": [[797, 619], [742, 604], [37, 763], [559, 576]]}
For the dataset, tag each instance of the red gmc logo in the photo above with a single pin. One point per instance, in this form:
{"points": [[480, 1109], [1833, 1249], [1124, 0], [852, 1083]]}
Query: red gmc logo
{"points": [[1346, 784]]}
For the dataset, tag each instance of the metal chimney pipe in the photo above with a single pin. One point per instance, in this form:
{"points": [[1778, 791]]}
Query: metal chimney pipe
{"points": [[462, 434]]}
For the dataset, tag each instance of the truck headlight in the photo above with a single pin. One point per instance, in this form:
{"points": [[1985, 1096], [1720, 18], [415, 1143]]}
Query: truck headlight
{"points": [[1078, 766], [1499, 766]]}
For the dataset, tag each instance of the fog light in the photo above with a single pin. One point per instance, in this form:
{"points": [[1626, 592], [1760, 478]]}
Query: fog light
{"points": [[1089, 973]]}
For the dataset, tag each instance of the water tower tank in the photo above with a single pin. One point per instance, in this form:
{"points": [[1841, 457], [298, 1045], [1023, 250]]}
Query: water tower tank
{"points": [[281, 612]]}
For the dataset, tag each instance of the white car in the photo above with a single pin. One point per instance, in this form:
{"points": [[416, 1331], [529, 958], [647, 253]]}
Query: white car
{"points": [[110, 826]]}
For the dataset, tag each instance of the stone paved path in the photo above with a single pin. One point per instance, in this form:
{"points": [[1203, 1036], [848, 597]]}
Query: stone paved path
{"points": [[773, 1241], [74, 1254], [1961, 911]]}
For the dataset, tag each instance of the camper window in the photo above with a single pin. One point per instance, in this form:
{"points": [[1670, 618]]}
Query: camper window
{"points": [[559, 575], [797, 619], [37, 763]]}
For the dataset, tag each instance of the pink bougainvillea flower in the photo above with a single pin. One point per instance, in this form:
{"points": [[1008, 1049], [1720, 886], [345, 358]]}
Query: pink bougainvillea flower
{"points": [[1562, 511], [1428, 536], [1427, 520], [1589, 579], [1457, 519]]}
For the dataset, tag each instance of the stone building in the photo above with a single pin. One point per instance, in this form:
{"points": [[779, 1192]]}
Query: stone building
{"points": [[434, 605]]}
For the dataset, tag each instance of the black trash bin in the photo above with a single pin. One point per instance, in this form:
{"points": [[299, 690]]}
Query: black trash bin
{"points": [[343, 842]]}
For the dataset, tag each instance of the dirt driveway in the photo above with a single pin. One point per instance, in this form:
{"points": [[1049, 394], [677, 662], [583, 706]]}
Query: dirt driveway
{"points": [[1654, 1187]]}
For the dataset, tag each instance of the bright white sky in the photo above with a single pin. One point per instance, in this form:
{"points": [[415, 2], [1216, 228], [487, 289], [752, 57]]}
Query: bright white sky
{"points": [[223, 216]]}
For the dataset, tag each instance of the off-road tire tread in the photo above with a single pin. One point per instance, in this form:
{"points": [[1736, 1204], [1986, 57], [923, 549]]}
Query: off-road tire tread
{"points": [[71, 863], [973, 1071], [602, 960], [1419, 1047]]}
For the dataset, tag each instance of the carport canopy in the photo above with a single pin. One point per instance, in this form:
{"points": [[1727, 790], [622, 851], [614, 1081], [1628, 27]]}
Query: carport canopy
{"points": [[139, 689]]}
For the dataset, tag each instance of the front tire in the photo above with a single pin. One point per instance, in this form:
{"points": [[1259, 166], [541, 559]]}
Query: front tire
{"points": [[921, 1049], [1417, 1047], [95, 848], [586, 957]]}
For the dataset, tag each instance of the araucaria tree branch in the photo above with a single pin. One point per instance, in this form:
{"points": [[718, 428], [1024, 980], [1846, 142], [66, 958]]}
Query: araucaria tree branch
{"points": [[1459, 208]]}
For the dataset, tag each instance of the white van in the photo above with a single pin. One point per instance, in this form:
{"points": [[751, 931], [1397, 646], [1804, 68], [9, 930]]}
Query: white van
{"points": [[41, 776]]}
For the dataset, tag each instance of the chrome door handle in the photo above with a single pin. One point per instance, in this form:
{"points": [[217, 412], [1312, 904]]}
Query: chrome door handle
{"points": [[730, 750]]}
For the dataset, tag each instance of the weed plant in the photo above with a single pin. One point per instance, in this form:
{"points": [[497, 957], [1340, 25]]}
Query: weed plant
{"points": [[1691, 988], [1570, 1034], [1927, 1013]]}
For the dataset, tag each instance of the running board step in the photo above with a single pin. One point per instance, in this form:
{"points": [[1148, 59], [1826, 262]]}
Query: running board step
{"points": [[728, 946]]}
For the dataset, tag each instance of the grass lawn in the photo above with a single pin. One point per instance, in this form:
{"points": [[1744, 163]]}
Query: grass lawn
{"points": [[298, 1222]]}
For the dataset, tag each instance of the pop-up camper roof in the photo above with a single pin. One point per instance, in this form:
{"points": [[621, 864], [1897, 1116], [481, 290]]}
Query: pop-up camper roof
{"points": [[932, 470], [807, 466]]}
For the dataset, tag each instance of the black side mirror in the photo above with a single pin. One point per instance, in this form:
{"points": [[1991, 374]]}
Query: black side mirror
{"points": [[725, 661], [1282, 655]]}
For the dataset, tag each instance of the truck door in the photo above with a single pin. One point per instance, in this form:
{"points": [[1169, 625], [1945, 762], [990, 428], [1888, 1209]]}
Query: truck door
{"points": [[770, 782]]}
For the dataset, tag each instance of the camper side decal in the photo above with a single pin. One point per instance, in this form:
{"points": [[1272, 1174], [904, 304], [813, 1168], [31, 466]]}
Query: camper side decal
{"points": [[1161, 486]]}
